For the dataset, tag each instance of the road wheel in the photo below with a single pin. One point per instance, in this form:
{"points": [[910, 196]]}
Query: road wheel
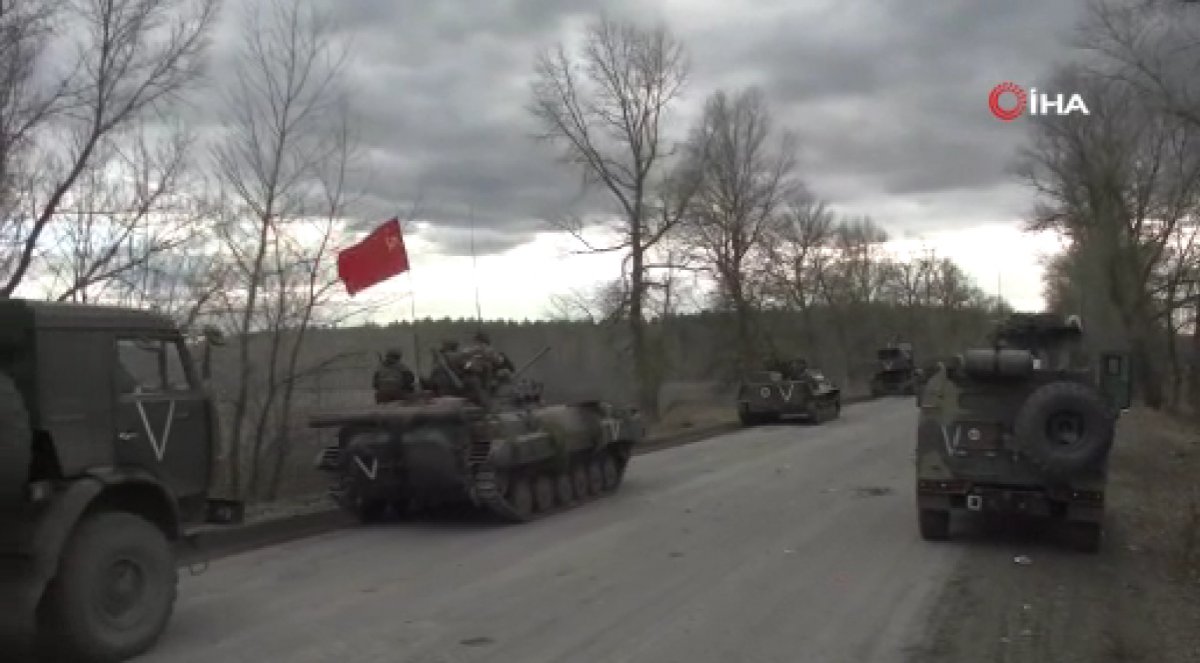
{"points": [[1085, 536], [114, 591], [934, 523], [16, 443], [370, 510], [596, 476], [564, 488], [520, 496], [1064, 427], [583, 485], [543, 488], [746, 417], [612, 476]]}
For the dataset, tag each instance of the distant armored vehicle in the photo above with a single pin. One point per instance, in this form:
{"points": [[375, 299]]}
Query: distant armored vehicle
{"points": [[896, 374], [506, 453], [106, 443], [1024, 426], [793, 389]]}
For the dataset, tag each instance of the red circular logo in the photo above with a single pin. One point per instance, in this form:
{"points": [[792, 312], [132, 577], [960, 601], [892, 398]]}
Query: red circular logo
{"points": [[1007, 114]]}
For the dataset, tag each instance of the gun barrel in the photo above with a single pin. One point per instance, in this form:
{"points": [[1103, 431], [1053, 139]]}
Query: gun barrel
{"points": [[531, 362], [440, 358]]}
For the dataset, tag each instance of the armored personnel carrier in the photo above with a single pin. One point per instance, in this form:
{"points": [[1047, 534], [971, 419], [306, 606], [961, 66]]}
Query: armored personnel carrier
{"points": [[506, 452], [787, 389], [1024, 426], [107, 436], [896, 374]]}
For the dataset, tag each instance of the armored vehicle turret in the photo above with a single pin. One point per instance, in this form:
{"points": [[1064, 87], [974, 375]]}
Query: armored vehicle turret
{"points": [[501, 450], [1023, 426]]}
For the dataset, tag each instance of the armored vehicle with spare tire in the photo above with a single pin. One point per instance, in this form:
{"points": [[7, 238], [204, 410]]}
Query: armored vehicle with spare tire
{"points": [[897, 374], [507, 453], [1024, 426], [106, 443], [792, 389]]}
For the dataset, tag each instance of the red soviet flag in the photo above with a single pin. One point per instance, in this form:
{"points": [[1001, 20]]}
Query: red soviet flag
{"points": [[377, 258]]}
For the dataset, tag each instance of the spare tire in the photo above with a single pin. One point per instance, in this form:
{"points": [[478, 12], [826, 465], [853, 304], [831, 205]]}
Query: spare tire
{"points": [[1064, 428], [1002, 362], [16, 443]]}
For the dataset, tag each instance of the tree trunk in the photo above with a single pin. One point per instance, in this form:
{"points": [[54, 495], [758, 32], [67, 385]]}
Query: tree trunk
{"points": [[645, 388]]}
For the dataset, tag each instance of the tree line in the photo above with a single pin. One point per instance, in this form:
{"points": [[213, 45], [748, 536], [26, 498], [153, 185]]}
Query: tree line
{"points": [[726, 202]]}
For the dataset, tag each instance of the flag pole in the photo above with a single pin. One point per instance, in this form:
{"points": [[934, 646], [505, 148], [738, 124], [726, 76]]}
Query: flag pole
{"points": [[475, 271], [416, 342]]}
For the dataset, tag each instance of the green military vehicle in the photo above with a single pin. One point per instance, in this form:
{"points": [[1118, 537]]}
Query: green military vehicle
{"points": [[505, 453], [787, 389], [1024, 427], [896, 375], [106, 443]]}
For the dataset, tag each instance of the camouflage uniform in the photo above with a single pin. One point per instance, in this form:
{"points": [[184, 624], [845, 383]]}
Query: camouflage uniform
{"points": [[440, 378], [393, 380], [485, 368]]}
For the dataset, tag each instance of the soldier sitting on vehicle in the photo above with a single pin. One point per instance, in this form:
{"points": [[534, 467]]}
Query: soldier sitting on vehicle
{"points": [[485, 369], [447, 366], [393, 381]]}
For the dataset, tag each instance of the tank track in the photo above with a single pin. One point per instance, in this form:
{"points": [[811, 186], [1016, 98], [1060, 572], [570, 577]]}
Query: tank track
{"points": [[529, 493]]}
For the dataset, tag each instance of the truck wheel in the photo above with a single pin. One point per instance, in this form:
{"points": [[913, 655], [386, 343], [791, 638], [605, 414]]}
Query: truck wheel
{"points": [[1064, 427], [16, 443], [934, 523], [370, 511], [1085, 536], [114, 591]]}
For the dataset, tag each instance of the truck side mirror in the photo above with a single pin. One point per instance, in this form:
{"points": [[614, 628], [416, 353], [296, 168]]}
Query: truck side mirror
{"points": [[1116, 381]]}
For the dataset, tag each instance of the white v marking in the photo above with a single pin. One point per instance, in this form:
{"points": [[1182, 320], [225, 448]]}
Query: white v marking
{"points": [[787, 395], [158, 444], [372, 471]]}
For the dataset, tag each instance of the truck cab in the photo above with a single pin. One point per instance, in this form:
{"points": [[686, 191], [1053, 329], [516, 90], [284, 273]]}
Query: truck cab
{"points": [[107, 439]]}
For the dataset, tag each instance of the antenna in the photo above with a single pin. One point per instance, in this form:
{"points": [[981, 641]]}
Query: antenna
{"points": [[475, 270]]}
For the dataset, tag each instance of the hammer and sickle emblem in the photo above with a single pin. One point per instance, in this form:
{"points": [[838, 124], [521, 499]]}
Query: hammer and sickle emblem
{"points": [[392, 243]]}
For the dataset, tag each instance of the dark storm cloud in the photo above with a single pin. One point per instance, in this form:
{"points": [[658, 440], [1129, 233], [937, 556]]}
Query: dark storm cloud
{"points": [[896, 92], [889, 97]]}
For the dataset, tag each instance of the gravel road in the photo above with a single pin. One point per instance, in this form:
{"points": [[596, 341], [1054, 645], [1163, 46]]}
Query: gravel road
{"points": [[782, 543]]}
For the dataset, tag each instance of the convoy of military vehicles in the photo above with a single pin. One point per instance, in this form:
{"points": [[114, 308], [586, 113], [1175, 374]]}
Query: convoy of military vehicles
{"points": [[107, 433]]}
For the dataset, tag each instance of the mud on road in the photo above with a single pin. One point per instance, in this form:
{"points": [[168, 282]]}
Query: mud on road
{"points": [[1138, 600]]}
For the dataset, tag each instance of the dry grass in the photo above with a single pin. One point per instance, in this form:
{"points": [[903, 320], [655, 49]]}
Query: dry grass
{"points": [[1158, 466], [690, 416]]}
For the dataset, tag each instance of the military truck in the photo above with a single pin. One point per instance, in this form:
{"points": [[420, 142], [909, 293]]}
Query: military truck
{"points": [[786, 390], [508, 453], [896, 373], [106, 443], [1024, 426]]}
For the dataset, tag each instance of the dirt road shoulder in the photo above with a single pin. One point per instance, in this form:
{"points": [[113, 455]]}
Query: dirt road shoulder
{"points": [[1019, 596]]}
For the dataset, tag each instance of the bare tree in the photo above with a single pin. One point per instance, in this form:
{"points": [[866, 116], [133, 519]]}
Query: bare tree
{"points": [[131, 58], [1151, 45], [607, 106], [1118, 184], [745, 181], [133, 207], [280, 121]]}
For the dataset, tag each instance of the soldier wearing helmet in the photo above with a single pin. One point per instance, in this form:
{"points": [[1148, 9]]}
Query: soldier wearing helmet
{"points": [[393, 380], [486, 368]]}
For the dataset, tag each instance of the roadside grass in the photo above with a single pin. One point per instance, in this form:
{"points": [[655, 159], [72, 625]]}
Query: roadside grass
{"points": [[1155, 493], [691, 416], [1158, 464]]}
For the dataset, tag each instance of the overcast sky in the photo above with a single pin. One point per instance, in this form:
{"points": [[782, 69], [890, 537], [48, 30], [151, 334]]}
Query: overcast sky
{"points": [[888, 97]]}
